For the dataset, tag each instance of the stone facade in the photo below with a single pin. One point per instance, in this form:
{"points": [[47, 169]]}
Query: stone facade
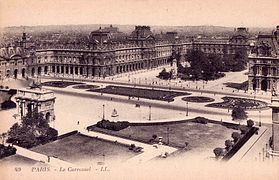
{"points": [[275, 123], [110, 53], [30, 99], [264, 63]]}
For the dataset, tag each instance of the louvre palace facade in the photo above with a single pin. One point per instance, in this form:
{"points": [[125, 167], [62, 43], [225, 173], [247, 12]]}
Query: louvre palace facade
{"points": [[109, 52], [264, 63]]}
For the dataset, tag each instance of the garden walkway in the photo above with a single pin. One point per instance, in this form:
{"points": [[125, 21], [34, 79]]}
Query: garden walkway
{"points": [[41, 157]]}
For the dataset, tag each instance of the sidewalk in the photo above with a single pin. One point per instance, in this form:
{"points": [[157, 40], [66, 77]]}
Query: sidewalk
{"points": [[41, 157], [245, 153]]}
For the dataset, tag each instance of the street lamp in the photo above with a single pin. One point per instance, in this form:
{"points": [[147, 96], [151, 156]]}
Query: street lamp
{"points": [[168, 134], [149, 113], [187, 110], [103, 112], [260, 123]]}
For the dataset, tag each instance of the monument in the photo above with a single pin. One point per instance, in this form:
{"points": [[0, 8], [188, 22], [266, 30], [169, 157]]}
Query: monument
{"points": [[40, 99], [174, 69]]}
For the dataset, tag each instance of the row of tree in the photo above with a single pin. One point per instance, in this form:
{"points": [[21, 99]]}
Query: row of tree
{"points": [[210, 66], [236, 136]]}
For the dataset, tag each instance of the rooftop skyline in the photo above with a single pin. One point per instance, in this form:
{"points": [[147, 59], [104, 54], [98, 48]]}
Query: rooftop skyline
{"points": [[249, 13]]}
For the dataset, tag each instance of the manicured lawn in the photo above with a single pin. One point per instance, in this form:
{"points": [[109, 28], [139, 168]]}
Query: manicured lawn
{"points": [[60, 84], [78, 148], [200, 137], [231, 102], [198, 99], [141, 93]]}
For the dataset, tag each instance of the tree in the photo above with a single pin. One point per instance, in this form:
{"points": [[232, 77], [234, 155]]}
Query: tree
{"points": [[206, 67], [132, 147], [164, 74], [236, 136], [244, 129], [238, 113], [33, 130], [218, 152], [35, 119], [3, 137], [8, 104], [154, 136], [240, 59], [228, 144], [6, 151], [250, 123]]}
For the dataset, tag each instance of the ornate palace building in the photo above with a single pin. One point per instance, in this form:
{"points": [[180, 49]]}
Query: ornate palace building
{"points": [[224, 46], [109, 52], [264, 63]]}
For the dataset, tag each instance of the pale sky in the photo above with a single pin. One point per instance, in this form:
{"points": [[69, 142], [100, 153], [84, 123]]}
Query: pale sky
{"points": [[233, 13]]}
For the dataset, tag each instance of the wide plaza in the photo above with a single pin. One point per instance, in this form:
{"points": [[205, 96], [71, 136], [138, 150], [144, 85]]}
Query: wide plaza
{"points": [[77, 108]]}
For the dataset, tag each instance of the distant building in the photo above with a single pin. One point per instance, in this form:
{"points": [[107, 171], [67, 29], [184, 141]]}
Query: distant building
{"points": [[105, 35], [225, 46], [109, 52], [264, 63], [13, 62]]}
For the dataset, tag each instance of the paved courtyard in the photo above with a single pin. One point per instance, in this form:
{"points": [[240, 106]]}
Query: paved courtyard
{"points": [[77, 108]]}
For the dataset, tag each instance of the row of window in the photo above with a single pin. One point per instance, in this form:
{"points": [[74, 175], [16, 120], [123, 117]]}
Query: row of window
{"points": [[12, 63]]}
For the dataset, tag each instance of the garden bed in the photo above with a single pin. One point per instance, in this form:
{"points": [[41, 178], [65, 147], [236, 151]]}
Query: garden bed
{"points": [[60, 84], [240, 86], [198, 99], [86, 86], [231, 102], [141, 93]]}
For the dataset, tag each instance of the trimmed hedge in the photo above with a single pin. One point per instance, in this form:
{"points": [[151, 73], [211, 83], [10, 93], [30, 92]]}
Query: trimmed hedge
{"points": [[6, 151], [115, 126], [12, 91], [240, 143], [201, 120], [8, 105]]}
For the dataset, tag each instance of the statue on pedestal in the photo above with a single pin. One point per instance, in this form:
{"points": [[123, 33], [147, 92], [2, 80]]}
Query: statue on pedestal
{"points": [[174, 68]]}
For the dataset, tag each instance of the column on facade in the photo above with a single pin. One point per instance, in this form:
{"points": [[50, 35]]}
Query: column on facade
{"points": [[81, 71], [250, 83], [22, 104], [90, 71], [268, 85], [258, 84], [48, 69]]}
